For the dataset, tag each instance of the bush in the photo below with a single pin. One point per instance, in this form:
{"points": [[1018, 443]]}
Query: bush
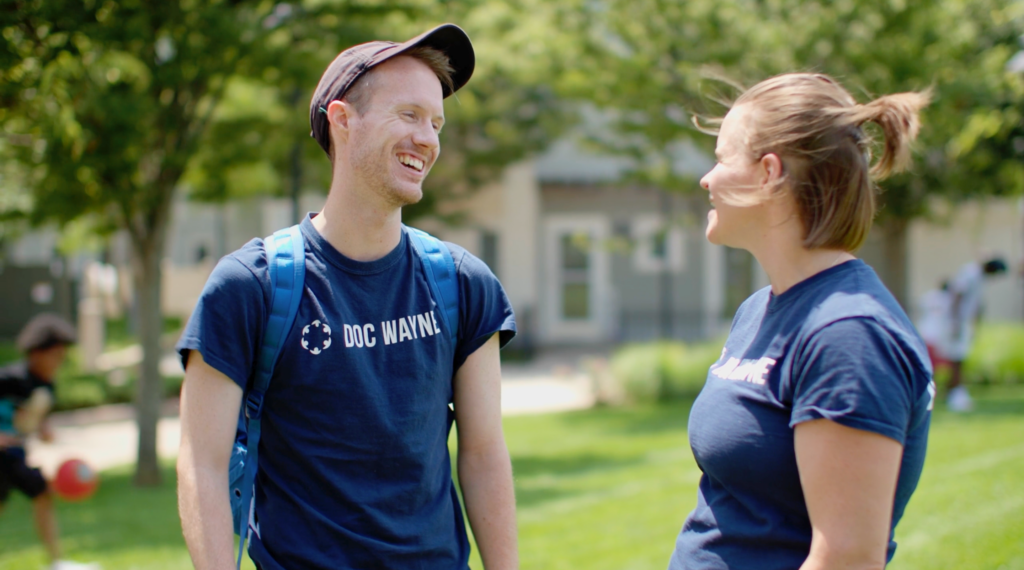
{"points": [[997, 355], [76, 389], [663, 370], [666, 370]]}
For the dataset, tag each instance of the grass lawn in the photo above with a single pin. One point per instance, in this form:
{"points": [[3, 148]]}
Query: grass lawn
{"points": [[609, 489]]}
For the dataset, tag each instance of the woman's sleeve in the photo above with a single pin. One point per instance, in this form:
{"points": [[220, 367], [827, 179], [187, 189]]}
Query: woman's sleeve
{"points": [[854, 373]]}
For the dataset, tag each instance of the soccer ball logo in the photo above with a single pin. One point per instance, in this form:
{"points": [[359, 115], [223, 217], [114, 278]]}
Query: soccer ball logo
{"points": [[316, 331]]}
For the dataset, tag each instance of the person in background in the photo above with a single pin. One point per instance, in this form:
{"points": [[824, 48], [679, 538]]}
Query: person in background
{"points": [[26, 397], [934, 323], [811, 428], [965, 291]]}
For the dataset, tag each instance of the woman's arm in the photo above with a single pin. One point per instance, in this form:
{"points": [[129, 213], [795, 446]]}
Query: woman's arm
{"points": [[849, 482]]}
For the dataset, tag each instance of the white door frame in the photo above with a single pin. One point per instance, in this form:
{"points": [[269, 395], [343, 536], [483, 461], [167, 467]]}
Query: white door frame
{"points": [[555, 327]]}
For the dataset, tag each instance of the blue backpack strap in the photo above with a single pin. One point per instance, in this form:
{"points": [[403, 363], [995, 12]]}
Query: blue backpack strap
{"points": [[444, 283], [286, 261]]}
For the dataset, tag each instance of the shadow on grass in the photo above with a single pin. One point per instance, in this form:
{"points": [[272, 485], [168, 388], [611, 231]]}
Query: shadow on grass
{"points": [[118, 516], [531, 497], [671, 416], [555, 471], [531, 465]]}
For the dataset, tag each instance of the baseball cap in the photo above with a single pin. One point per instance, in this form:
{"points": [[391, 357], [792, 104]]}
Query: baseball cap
{"points": [[352, 63], [43, 331], [994, 266]]}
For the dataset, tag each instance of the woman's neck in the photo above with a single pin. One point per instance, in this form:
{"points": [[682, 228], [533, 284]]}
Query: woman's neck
{"points": [[787, 262]]}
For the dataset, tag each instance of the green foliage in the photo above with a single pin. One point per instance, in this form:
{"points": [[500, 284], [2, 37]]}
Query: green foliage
{"points": [[104, 105], [654, 63], [9, 353], [258, 140], [663, 370], [997, 354], [510, 108], [77, 389]]}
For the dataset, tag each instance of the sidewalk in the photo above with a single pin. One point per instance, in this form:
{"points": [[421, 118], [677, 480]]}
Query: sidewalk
{"points": [[106, 436]]}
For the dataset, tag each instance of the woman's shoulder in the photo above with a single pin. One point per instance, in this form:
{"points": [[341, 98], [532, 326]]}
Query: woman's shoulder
{"points": [[859, 293], [756, 302], [864, 299]]}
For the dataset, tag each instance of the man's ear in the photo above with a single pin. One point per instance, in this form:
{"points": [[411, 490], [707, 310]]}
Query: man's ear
{"points": [[771, 169], [339, 114]]}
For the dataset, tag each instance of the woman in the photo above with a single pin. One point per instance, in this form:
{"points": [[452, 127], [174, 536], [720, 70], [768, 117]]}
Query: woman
{"points": [[812, 426]]}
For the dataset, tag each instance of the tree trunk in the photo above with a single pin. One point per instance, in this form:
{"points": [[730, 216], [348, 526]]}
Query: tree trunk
{"points": [[150, 386], [894, 258]]}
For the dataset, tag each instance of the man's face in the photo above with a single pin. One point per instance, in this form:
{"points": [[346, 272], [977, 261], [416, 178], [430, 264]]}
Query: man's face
{"points": [[45, 363], [394, 143]]}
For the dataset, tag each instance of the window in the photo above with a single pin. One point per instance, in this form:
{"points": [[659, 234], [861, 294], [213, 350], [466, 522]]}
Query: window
{"points": [[575, 276], [657, 246]]}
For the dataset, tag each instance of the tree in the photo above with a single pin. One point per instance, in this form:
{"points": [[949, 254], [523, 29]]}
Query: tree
{"points": [[652, 63], [508, 110], [111, 108], [105, 103]]}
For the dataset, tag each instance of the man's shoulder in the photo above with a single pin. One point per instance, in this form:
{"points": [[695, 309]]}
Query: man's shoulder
{"points": [[252, 255], [244, 267], [467, 265]]}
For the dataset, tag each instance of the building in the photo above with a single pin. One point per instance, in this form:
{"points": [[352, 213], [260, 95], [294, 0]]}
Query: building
{"points": [[586, 261]]}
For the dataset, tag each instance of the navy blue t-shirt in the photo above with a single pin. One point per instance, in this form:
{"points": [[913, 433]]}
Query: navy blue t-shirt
{"points": [[17, 384], [836, 346], [354, 470]]}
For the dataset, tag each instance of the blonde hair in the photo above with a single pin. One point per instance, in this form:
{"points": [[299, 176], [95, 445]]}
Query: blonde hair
{"points": [[815, 127]]}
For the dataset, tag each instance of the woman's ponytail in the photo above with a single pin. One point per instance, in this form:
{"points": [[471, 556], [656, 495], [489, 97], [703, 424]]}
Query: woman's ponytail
{"points": [[897, 114]]}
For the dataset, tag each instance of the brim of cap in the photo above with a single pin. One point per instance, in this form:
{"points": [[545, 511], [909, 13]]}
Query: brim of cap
{"points": [[447, 38]]}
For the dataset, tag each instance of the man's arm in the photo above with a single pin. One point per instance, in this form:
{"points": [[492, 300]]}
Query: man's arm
{"points": [[849, 482], [485, 470], [209, 416], [45, 431]]}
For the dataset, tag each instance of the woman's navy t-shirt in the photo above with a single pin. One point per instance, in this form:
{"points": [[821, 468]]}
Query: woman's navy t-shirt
{"points": [[836, 346], [354, 465]]}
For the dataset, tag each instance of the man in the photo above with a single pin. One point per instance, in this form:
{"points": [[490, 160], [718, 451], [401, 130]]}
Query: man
{"points": [[26, 396], [965, 292], [354, 470]]}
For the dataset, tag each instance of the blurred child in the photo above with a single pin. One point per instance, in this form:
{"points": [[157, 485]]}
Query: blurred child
{"points": [[26, 397], [965, 292], [934, 323]]}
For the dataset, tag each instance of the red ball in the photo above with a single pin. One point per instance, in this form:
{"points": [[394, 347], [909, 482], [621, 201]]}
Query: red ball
{"points": [[75, 480]]}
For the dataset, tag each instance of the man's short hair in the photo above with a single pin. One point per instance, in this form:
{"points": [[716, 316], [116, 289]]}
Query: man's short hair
{"points": [[45, 331]]}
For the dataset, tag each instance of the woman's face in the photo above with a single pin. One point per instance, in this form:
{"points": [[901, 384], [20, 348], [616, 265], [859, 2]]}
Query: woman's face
{"points": [[735, 184]]}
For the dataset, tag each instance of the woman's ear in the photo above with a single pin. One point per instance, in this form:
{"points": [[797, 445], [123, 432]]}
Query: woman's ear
{"points": [[771, 169]]}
